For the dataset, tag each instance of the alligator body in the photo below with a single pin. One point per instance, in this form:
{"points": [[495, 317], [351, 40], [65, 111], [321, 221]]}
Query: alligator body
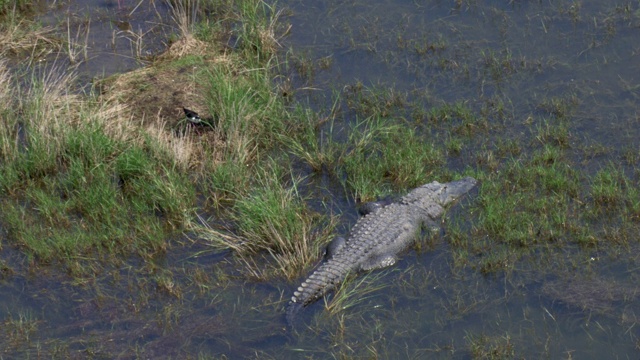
{"points": [[378, 237]]}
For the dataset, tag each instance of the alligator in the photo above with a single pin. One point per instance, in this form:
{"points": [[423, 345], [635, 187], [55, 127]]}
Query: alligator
{"points": [[377, 238]]}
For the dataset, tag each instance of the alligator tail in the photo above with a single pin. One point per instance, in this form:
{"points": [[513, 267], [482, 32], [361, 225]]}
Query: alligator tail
{"points": [[292, 311]]}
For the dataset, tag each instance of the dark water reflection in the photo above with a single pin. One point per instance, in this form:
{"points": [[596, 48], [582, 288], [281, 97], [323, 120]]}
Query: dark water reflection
{"points": [[434, 51], [446, 52], [519, 53], [118, 35]]}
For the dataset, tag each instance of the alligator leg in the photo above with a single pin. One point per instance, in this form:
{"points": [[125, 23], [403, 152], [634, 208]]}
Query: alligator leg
{"points": [[374, 206], [431, 225], [379, 262], [334, 246]]}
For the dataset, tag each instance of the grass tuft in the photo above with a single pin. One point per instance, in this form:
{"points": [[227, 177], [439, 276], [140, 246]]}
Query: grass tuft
{"points": [[485, 347], [354, 291], [274, 219], [380, 154], [18, 330], [78, 185]]}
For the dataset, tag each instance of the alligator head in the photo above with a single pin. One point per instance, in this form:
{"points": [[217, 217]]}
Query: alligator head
{"points": [[442, 194]]}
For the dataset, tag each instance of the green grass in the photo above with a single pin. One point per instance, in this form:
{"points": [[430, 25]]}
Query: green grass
{"points": [[382, 156], [257, 36], [539, 201], [96, 194], [530, 203], [273, 219], [608, 187], [374, 101], [71, 188], [560, 107], [250, 113], [553, 132], [377, 157], [312, 140], [354, 291], [75, 186], [459, 110], [228, 181], [248, 177]]}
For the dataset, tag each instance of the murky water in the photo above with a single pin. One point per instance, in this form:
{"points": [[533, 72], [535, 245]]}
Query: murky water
{"points": [[518, 52], [109, 36]]}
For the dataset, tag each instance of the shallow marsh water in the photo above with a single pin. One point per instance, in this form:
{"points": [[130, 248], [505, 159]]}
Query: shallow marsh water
{"points": [[521, 54], [117, 35]]}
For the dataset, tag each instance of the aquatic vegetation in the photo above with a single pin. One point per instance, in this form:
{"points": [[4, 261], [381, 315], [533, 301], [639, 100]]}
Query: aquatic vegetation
{"points": [[177, 240], [273, 219], [17, 329]]}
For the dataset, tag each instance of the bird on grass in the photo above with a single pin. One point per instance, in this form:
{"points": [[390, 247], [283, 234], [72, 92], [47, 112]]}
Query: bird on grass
{"points": [[196, 122], [192, 116]]}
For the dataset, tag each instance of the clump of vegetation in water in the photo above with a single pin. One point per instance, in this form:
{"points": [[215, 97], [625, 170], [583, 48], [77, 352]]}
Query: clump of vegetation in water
{"points": [[76, 184], [81, 180]]}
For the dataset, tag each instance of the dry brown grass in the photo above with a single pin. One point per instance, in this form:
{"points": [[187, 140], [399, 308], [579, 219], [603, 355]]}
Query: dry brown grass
{"points": [[183, 14], [268, 36], [275, 255], [47, 107], [189, 149], [77, 46], [152, 98], [21, 36], [7, 126], [5, 85], [187, 45]]}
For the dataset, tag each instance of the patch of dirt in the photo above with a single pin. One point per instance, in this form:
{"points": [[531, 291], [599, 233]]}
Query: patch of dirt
{"points": [[153, 97], [158, 92]]}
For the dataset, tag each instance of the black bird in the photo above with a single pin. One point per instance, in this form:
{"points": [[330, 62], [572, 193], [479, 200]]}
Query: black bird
{"points": [[192, 116]]}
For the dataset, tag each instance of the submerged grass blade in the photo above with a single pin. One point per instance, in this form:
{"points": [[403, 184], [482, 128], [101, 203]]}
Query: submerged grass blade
{"points": [[354, 291]]}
